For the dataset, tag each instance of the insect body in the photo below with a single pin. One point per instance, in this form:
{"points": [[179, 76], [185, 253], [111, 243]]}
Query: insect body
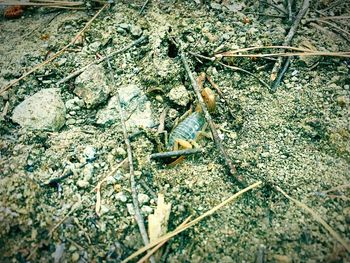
{"points": [[187, 130]]}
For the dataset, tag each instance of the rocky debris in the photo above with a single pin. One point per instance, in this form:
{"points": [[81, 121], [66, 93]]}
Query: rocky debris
{"points": [[92, 86], [143, 198], [89, 153], [74, 104], [44, 110], [179, 95], [135, 31], [136, 106]]}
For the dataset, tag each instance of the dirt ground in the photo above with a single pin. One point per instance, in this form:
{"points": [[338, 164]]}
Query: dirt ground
{"points": [[296, 138]]}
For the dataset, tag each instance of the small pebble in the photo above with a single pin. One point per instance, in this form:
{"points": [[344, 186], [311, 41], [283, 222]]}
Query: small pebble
{"points": [[121, 197], [136, 31], [130, 208], [124, 26], [75, 256], [88, 171], [83, 183], [143, 198], [89, 153], [147, 209], [120, 152]]}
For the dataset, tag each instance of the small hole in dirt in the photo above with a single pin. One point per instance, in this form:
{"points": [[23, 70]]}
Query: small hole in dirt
{"points": [[172, 50]]}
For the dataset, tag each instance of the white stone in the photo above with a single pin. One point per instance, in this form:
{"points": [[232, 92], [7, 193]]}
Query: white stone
{"points": [[44, 110]]}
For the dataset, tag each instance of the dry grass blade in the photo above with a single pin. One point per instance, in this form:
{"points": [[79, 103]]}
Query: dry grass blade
{"points": [[192, 223], [55, 55], [318, 218], [291, 54], [301, 51], [44, 3]]}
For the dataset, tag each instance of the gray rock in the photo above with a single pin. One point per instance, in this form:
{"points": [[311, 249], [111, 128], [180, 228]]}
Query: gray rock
{"points": [[179, 95], [92, 86], [44, 110], [135, 105]]}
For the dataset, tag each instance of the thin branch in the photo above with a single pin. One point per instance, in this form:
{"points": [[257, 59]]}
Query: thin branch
{"points": [[138, 215], [275, 79], [81, 70], [318, 218], [232, 52], [208, 118], [292, 54], [177, 231], [35, 68], [163, 155], [346, 33], [143, 6]]}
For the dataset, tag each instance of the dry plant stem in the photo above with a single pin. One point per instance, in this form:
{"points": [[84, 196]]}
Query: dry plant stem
{"points": [[346, 35], [55, 55], [169, 235], [288, 39], [207, 116], [233, 52], [163, 155], [155, 249], [282, 71], [81, 70], [138, 215], [318, 218], [290, 12], [292, 54], [144, 6], [56, 4]]}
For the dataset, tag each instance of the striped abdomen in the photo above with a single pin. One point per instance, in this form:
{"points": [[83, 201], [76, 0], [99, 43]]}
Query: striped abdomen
{"points": [[187, 129]]}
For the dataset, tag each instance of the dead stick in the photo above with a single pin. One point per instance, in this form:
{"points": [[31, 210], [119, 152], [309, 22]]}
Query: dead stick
{"points": [[288, 39], [207, 116], [138, 215], [81, 70], [175, 153], [144, 6], [55, 55]]}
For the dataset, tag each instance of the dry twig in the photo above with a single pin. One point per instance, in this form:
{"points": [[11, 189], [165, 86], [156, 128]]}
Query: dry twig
{"points": [[288, 39], [138, 215], [208, 118], [180, 229], [55, 55], [318, 218], [163, 155]]}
